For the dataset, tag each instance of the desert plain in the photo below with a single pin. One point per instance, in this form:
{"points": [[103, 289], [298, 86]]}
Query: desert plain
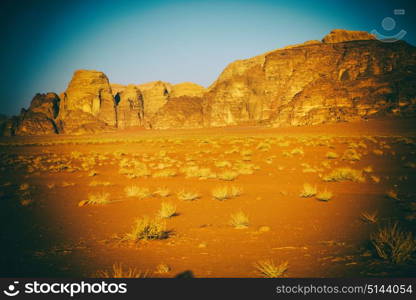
{"points": [[329, 200]]}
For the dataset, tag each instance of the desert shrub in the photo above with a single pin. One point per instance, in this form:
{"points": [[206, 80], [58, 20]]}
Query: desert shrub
{"points": [[393, 244], [147, 229], [345, 174]]}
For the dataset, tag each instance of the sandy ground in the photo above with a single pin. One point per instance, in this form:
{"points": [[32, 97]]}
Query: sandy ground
{"points": [[45, 231]]}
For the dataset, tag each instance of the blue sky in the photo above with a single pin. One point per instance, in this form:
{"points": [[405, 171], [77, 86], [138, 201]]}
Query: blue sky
{"points": [[43, 42]]}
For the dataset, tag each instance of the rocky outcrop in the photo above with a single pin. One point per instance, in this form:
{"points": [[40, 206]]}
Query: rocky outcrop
{"points": [[348, 75], [341, 35], [188, 89], [155, 96], [130, 109], [87, 100], [182, 112], [38, 119], [316, 82]]}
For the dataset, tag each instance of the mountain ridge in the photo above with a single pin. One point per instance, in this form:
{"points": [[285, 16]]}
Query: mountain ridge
{"points": [[349, 75]]}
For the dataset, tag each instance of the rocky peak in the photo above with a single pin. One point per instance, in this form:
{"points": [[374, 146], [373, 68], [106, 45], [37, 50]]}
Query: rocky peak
{"points": [[188, 89], [342, 35], [47, 104], [89, 93]]}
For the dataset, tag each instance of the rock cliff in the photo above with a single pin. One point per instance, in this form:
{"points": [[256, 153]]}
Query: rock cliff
{"points": [[348, 75], [316, 82]]}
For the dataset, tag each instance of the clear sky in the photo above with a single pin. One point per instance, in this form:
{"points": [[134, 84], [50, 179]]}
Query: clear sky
{"points": [[132, 41]]}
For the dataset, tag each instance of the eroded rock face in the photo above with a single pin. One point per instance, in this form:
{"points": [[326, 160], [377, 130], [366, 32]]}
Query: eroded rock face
{"points": [[341, 35], [88, 92], [38, 119], [182, 112], [316, 82], [188, 89], [155, 96], [130, 109]]}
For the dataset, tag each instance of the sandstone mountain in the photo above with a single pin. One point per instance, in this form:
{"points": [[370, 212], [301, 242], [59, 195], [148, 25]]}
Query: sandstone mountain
{"points": [[37, 119], [348, 75], [130, 107], [316, 82]]}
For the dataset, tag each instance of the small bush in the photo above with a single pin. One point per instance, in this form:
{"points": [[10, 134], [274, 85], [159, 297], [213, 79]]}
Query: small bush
{"points": [[393, 244], [147, 229]]}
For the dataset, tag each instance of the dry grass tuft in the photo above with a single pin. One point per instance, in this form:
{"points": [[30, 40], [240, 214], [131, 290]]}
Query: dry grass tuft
{"points": [[331, 155], [118, 272], [167, 210], [392, 194], [96, 199], [24, 187], [162, 269], [345, 174], [188, 195], [324, 196], [308, 191], [239, 220], [352, 155], [269, 269], [147, 229], [227, 175], [226, 192], [370, 217], [162, 192], [136, 191]]}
